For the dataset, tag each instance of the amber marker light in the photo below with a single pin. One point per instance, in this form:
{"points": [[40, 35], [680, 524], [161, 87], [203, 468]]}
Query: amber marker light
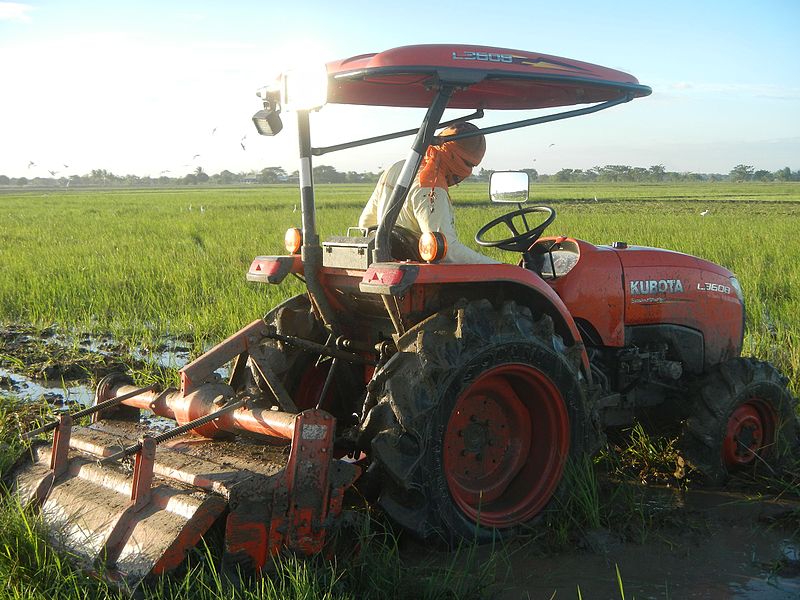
{"points": [[432, 246], [293, 240]]}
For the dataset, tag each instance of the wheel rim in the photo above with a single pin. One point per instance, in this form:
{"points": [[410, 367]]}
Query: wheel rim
{"points": [[750, 432], [505, 445]]}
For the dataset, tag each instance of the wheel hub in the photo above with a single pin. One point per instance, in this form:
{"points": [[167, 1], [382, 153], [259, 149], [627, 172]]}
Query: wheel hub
{"points": [[748, 432], [505, 445], [476, 436]]}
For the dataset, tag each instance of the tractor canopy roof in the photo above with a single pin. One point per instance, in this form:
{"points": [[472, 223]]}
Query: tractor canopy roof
{"points": [[492, 78]]}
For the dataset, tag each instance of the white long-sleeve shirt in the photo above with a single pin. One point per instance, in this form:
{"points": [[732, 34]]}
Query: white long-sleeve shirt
{"points": [[423, 211]]}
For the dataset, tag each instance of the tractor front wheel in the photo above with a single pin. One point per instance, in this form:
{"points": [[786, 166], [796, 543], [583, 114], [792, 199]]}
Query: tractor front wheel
{"points": [[743, 419], [481, 409]]}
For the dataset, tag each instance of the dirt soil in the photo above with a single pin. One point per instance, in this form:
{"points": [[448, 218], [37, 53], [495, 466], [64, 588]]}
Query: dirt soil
{"points": [[715, 545]]}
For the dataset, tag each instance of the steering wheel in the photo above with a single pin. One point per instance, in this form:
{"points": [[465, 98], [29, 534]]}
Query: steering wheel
{"points": [[520, 241]]}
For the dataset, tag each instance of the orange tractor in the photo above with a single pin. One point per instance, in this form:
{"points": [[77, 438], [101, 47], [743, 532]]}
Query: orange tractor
{"points": [[453, 394]]}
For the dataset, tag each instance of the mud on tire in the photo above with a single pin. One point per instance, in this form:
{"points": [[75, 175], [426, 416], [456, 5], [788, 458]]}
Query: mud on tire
{"points": [[478, 414], [743, 418]]}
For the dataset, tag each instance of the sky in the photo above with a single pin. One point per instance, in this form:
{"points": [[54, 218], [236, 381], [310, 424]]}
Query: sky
{"points": [[152, 87]]}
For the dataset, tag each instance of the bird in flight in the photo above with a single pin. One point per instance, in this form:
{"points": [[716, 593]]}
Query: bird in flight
{"points": [[213, 131], [52, 173], [31, 164], [195, 156]]}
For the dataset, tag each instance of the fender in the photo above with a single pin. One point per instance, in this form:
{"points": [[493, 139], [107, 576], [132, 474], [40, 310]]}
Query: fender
{"points": [[511, 281]]}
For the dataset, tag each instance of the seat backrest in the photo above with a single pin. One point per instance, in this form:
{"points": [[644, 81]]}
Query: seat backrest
{"points": [[405, 244]]}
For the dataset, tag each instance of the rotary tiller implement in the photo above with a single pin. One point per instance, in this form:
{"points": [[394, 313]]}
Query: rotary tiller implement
{"points": [[130, 503]]}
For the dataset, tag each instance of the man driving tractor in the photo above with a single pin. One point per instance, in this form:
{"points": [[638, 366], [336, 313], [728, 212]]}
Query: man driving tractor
{"points": [[428, 206]]}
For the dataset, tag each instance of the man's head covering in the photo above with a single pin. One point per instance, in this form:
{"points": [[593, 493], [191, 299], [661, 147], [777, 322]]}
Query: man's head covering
{"points": [[474, 146], [451, 162]]}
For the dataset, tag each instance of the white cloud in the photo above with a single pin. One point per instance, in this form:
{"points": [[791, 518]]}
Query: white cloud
{"points": [[15, 11]]}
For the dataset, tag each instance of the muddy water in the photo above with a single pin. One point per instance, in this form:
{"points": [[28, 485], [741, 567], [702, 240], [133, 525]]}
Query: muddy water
{"points": [[716, 546], [57, 368], [730, 561], [55, 393]]}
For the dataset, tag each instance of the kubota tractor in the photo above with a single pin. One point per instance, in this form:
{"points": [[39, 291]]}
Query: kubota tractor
{"points": [[456, 393]]}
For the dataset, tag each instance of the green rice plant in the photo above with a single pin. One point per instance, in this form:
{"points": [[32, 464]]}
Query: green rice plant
{"points": [[639, 456], [578, 509], [142, 265], [30, 568]]}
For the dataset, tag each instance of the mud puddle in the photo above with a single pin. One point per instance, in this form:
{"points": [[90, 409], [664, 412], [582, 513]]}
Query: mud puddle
{"points": [[62, 369], [58, 394], [714, 545]]}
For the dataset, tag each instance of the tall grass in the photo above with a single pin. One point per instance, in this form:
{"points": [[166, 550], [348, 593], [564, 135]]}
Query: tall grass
{"points": [[31, 569], [144, 264]]}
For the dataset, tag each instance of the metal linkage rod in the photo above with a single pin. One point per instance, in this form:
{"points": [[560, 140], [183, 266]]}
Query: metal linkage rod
{"points": [[180, 430], [90, 410], [318, 348], [478, 114]]}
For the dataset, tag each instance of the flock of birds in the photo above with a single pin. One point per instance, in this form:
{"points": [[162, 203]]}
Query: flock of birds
{"points": [[54, 173], [244, 148]]}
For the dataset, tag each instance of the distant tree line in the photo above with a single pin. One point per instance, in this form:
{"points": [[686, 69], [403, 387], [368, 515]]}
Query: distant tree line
{"points": [[653, 174], [328, 174]]}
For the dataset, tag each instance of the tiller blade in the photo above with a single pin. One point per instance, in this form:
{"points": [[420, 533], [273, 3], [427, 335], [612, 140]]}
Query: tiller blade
{"points": [[128, 505]]}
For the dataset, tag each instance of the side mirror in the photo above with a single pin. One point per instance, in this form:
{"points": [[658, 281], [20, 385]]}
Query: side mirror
{"points": [[509, 186]]}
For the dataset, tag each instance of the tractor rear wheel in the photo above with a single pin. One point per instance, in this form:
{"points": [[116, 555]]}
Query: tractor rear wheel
{"points": [[481, 409], [743, 418]]}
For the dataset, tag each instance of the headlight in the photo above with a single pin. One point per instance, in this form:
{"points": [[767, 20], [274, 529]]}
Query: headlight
{"points": [[268, 120]]}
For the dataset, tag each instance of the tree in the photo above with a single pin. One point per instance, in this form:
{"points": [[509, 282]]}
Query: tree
{"points": [[657, 172], [564, 175], [784, 174], [201, 175], [4, 180], [741, 173], [327, 174], [102, 176], [272, 175], [762, 175], [226, 177]]}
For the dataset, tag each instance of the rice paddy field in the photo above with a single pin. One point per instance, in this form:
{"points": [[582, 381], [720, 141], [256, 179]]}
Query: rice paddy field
{"points": [[144, 266]]}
